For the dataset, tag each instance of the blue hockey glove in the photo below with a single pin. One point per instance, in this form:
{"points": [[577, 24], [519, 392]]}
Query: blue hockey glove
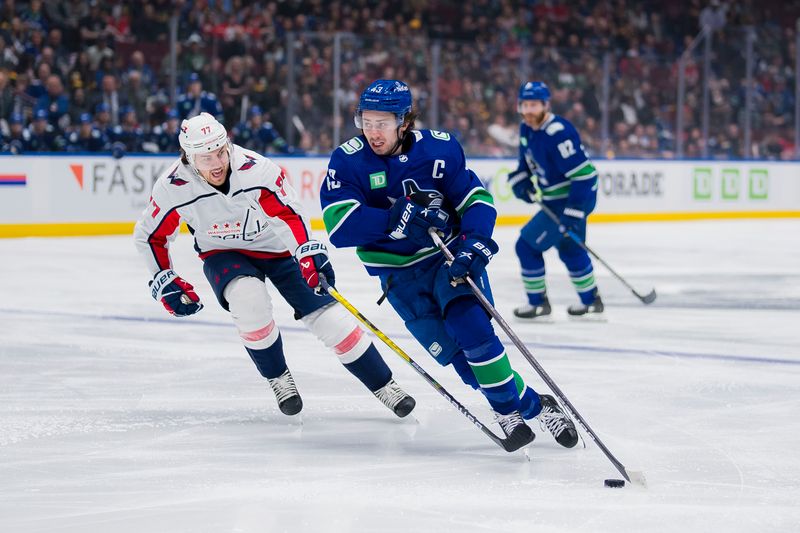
{"points": [[472, 256], [522, 186], [570, 219], [408, 220], [175, 293], [312, 257]]}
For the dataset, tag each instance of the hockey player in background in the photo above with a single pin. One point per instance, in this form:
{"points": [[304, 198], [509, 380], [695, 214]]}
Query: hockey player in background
{"points": [[553, 169], [383, 191], [248, 226]]}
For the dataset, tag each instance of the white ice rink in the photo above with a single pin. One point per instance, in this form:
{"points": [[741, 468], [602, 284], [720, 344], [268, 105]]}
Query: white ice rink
{"points": [[116, 417]]}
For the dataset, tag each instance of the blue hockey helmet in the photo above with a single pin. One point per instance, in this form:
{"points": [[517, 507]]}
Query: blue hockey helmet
{"points": [[534, 90], [392, 96], [124, 110]]}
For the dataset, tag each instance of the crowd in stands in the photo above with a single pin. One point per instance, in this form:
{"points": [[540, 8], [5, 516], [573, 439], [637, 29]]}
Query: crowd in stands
{"points": [[86, 75]]}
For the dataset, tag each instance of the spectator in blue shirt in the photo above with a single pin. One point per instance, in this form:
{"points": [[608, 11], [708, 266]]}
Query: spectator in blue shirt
{"points": [[87, 138], [196, 100], [259, 135], [54, 101]]}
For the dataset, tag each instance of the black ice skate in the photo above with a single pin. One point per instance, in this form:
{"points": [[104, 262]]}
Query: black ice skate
{"points": [[557, 422], [538, 313], [518, 433], [289, 401], [395, 399], [593, 311]]}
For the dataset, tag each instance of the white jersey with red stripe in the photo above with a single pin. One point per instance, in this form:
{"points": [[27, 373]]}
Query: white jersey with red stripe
{"points": [[259, 216]]}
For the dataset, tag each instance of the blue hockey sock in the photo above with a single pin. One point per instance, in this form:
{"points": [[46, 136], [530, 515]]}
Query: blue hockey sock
{"points": [[532, 264], [464, 371], [584, 283], [370, 369], [530, 405], [580, 270], [270, 360], [468, 324]]}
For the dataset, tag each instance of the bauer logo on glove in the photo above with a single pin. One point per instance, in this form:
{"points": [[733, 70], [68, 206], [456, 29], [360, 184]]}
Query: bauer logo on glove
{"points": [[408, 220], [312, 258], [471, 256], [175, 293]]}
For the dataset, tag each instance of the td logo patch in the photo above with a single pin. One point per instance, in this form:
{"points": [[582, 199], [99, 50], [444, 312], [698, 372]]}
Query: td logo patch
{"points": [[377, 180]]}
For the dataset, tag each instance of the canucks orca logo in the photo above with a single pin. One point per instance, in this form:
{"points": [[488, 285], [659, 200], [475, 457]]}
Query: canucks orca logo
{"points": [[424, 197], [428, 198]]}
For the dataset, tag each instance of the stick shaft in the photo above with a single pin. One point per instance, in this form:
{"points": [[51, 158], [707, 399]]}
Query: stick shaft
{"points": [[421, 371], [647, 298], [533, 362]]}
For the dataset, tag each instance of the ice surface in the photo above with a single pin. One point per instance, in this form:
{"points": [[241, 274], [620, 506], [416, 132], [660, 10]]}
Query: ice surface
{"points": [[116, 417]]}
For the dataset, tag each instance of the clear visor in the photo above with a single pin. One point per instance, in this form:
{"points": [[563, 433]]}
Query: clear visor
{"points": [[212, 160], [384, 124]]}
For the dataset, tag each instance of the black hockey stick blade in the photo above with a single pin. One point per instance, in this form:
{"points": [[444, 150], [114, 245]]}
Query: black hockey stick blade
{"points": [[648, 298]]}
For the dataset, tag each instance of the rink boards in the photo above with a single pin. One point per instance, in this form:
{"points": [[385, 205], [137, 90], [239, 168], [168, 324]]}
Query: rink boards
{"points": [[83, 194]]}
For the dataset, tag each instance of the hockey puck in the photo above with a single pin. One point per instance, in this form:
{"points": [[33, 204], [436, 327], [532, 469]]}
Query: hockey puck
{"points": [[614, 483]]}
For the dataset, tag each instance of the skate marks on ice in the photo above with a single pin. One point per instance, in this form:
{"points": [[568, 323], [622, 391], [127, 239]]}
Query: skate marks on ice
{"points": [[117, 417]]}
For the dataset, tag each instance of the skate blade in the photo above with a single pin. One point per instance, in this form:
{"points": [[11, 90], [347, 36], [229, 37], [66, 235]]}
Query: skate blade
{"points": [[547, 319], [295, 421], [589, 317]]}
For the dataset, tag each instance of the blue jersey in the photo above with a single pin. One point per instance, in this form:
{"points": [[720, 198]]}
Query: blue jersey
{"points": [[95, 142], [262, 140], [166, 141], [555, 154], [188, 106], [360, 188], [131, 137]]}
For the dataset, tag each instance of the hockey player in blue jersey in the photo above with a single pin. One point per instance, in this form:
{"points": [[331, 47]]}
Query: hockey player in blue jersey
{"points": [[384, 189], [553, 168]]}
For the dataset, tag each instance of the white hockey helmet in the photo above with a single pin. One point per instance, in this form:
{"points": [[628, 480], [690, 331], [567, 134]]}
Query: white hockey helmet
{"points": [[202, 134]]}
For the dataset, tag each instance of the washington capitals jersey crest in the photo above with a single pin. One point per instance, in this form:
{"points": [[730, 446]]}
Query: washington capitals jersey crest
{"points": [[360, 188]]}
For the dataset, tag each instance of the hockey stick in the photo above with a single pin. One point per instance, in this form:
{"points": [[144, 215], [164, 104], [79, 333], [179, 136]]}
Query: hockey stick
{"points": [[630, 475], [503, 443], [646, 299]]}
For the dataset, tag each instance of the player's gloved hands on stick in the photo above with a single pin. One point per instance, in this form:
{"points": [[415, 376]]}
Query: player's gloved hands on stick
{"points": [[471, 256], [409, 220], [312, 257], [175, 293], [522, 186], [570, 219]]}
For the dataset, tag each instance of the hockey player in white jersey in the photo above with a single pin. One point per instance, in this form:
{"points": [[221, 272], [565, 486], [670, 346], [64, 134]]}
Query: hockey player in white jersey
{"points": [[248, 226]]}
